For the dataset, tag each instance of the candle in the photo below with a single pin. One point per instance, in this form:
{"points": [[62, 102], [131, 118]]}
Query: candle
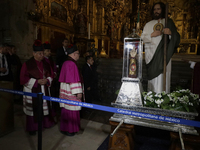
{"points": [[89, 31]]}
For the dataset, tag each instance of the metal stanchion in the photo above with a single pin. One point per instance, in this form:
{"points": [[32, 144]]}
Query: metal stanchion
{"points": [[121, 122], [181, 139], [40, 109]]}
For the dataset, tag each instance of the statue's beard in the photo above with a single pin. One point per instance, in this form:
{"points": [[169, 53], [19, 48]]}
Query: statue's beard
{"points": [[157, 16]]}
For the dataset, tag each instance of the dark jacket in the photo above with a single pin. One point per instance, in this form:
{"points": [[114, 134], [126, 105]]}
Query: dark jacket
{"points": [[155, 66], [61, 57], [88, 76]]}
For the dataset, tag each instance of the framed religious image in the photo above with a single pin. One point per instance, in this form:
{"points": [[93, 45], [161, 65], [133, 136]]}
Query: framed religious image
{"points": [[158, 27], [188, 46], [193, 49], [58, 11]]}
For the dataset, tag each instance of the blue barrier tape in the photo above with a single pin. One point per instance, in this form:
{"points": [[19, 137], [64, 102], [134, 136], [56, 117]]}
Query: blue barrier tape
{"points": [[113, 110], [19, 92]]}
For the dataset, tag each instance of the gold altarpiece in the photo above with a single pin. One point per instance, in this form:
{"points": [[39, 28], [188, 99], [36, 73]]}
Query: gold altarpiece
{"points": [[184, 13], [110, 21]]}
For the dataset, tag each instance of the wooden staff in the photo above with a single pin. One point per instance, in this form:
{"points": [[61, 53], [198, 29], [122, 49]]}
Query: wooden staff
{"points": [[165, 49]]}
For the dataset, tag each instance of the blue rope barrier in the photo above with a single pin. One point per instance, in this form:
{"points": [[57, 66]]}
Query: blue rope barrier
{"points": [[113, 110]]}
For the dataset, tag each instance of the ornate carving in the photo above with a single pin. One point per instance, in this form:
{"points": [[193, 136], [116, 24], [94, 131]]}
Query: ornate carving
{"points": [[80, 22], [120, 140], [34, 16], [116, 16], [58, 11]]}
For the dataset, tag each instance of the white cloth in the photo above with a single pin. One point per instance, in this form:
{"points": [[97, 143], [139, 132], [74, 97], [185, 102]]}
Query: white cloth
{"points": [[27, 100], [192, 64], [65, 50], [68, 91], [151, 43]]}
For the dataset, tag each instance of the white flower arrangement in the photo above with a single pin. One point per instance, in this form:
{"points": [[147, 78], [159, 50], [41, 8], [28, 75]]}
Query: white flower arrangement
{"points": [[180, 100]]}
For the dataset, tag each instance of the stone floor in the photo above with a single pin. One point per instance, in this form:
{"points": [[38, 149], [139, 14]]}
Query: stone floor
{"points": [[94, 130]]}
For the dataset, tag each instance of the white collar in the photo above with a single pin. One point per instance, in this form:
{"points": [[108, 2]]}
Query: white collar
{"points": [[89, 65], [64, 48]]}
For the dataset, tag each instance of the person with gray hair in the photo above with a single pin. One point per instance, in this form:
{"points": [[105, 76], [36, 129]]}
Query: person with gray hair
{"points": [[71, 89], [36, 76]]}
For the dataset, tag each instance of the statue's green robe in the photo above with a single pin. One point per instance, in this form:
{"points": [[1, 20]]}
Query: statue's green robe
{"points": [[155, 66]]}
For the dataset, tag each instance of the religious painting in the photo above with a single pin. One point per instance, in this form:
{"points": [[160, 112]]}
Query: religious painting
{"points": [[193, 49], [183, 48], [56, 41], [58, 11], [158, 27]]}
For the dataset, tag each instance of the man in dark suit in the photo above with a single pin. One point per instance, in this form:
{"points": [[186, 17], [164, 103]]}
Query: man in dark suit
{"points": [[61, 54], [6, 59], [88, 78]]}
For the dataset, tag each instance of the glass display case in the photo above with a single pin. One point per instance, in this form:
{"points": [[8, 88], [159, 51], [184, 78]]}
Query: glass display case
{"points": [[131, 88], [132, 57]]}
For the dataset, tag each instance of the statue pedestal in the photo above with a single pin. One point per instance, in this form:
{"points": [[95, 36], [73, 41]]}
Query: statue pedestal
{"points": [[191, 142], [123, 138]]}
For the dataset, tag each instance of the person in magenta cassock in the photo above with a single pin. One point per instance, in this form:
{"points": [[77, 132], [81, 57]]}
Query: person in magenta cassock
{"points": [[36, 76], [71, 89]]}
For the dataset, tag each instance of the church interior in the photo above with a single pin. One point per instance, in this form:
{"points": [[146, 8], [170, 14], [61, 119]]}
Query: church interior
{"points": [[103, 23], [99, 26]]}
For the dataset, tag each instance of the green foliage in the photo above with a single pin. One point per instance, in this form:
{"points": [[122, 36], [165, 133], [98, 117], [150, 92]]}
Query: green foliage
{"points": [[117, 92], [179, 100]]}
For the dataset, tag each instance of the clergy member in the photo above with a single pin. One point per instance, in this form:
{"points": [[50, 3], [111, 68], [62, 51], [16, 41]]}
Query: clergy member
{"points": [[154, 48], [36, 76], [71, 89]]}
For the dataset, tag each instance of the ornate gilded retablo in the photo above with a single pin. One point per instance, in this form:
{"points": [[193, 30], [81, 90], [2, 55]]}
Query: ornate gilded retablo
{"points": [[158, 27]]}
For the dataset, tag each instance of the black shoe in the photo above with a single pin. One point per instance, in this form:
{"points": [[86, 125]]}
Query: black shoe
{"points": [[32, 132], [70, 134], [67, 133]]}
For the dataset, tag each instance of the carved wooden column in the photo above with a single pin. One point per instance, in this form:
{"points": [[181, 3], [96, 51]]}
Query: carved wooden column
{"points": [[123, 138], [99, 17], [91, 12]]}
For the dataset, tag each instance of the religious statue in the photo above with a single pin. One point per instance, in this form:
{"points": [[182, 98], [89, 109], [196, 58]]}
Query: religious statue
{"points": [[80, 22], [132, 63]]}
